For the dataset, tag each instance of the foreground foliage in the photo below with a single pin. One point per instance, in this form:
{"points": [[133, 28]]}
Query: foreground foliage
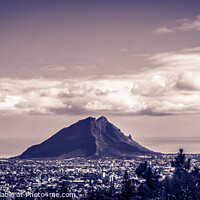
{"points": [[184, 184]]}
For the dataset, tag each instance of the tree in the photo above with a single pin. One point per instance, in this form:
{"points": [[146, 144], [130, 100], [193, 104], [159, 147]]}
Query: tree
{"points": [[97, 194], [148, 182], [91, 192], [185, 183], [127, 191], [180, 163]]}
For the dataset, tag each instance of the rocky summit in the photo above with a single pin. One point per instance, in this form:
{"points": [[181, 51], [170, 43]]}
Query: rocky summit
{"points": [[87, 137]]}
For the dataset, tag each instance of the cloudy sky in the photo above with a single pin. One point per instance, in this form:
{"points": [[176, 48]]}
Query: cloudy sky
{"points": [[135, 62]]}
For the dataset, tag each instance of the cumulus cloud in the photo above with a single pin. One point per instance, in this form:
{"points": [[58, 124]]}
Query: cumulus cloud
{"points": [[189, 80], [157, 95], [45, 96], [153, 85], [184, 25], [173, 87]]}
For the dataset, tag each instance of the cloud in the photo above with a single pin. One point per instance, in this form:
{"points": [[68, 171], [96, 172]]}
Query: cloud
{"points": [[46, 96], [170, 88], [183, 25], [183, 59], [124, 50], [164, 95], [174, 86], [189, 80], [189, 25], [141, 55], [163, 30], [157, 95], [153, 85], [54, 68]]}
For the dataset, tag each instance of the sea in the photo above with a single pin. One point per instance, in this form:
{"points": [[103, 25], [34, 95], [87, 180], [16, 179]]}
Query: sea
{"points": [[10, 147]]}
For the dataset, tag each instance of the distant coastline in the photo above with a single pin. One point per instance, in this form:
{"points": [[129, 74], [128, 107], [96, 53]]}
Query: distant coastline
{"points": [[14, 146], [171, 144]]}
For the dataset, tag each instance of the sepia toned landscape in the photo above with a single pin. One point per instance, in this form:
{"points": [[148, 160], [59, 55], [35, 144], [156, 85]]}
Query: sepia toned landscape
{"points": [[100, 99]]}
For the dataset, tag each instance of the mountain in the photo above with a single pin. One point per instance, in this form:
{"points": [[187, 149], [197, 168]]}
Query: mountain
{"points": [[87, 137]]}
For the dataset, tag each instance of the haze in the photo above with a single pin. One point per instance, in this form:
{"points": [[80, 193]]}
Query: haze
{"points": [[135, 62]]}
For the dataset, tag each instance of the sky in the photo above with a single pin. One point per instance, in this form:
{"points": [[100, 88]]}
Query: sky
{"points": [[135, 62]]}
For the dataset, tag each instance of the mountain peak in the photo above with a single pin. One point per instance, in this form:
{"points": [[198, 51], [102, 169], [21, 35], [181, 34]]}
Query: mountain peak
{"points": [[89, 119], [102, 119], [87, 137], [86, 120]]}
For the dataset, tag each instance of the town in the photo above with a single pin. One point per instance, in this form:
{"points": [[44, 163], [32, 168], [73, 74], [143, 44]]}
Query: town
{"points": [[76, 175]]}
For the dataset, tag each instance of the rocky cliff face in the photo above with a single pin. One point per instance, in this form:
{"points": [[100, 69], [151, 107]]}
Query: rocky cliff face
{"points": [[87, 137]]}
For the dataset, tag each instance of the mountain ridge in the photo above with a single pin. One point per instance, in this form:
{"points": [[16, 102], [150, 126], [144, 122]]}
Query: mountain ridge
{"points": [[85, 138]]}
